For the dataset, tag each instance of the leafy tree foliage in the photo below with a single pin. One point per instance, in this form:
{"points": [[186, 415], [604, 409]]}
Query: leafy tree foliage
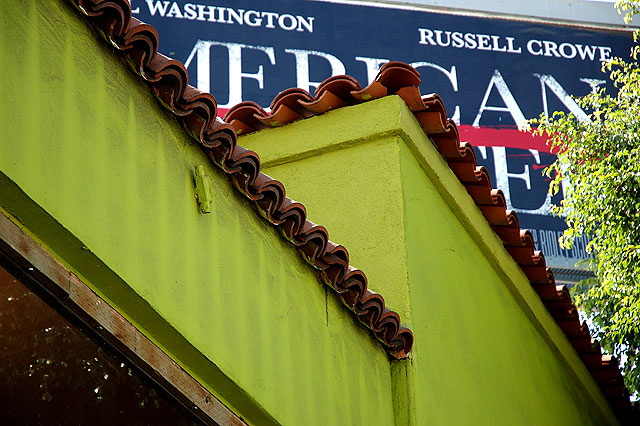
{"points": [[598, 168]]}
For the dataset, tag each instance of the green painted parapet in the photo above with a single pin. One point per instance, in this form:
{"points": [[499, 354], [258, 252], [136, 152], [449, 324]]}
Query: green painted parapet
{"points": [[486, 349], [105, 178]]}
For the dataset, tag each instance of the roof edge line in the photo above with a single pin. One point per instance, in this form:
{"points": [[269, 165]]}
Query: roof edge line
{"points": [[272, 159]]}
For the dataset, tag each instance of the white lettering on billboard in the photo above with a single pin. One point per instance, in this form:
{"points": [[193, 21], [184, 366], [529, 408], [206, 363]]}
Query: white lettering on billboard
{"points": [[201, 51], [228, 15], [302, 66], [511, 106]]}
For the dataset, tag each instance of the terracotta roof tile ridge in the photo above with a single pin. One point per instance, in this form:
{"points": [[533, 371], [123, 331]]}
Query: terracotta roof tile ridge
{"points": [[400, 79], [137, 43]]}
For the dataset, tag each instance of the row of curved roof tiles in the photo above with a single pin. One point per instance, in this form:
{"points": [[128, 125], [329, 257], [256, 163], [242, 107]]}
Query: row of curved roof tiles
{"points": [[137, 42]]}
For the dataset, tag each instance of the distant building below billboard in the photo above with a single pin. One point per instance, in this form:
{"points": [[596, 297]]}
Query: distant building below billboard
{"points": [[494, 74]]}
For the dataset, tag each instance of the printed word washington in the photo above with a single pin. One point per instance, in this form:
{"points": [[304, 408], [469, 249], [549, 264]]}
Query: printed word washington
{"points": [[228, 15]]}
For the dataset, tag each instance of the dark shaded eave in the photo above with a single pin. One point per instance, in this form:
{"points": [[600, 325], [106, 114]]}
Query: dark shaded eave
{"points": [[137, 43], [395, 78]]}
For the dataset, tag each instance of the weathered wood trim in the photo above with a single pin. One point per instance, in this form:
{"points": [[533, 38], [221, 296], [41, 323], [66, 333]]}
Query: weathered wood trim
{"points": [[74, 298]]}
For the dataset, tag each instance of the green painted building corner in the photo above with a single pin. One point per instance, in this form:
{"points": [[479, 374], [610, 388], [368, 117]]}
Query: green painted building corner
{"points": [[485, 344]]}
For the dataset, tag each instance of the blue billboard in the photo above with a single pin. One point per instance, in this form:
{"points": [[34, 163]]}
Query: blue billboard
{"points": [[492, 73]]}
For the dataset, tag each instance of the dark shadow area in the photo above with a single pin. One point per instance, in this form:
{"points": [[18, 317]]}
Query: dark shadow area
{"points": [[51, 373]]}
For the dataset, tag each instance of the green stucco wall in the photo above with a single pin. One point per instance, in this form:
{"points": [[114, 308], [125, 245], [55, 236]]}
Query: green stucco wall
{"points": [[486, 359], [354, 193], [486, 349], [103, 176], [349, 179]]}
